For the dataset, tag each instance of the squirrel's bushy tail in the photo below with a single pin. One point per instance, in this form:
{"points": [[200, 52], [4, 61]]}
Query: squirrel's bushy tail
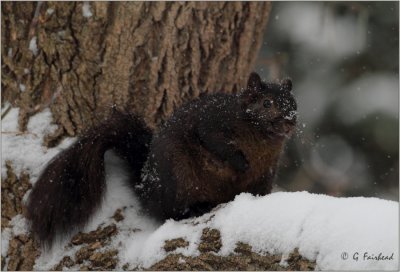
{"points": [[72, 185]]}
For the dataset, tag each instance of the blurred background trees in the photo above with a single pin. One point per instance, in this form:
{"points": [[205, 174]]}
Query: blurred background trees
{"points": [[344, 61]]}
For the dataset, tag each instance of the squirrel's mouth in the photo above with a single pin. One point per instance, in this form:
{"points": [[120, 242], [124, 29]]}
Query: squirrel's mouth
{"points": [[283, 127]]}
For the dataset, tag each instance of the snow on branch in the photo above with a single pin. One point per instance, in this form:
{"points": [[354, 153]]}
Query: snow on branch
{"points": [[339, 233]]}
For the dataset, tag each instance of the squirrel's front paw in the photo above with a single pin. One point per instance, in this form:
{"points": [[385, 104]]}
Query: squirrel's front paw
{"points": [[239, 162]]}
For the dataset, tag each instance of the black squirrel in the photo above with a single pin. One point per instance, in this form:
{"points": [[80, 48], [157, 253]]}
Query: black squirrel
{"points": [[208, 151]]}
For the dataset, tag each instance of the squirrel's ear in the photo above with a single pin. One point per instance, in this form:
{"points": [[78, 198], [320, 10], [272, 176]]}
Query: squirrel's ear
{"points": [[254, 82], [286, 84]]}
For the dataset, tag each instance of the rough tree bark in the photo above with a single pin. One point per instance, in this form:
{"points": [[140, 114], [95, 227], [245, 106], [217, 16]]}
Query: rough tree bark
{"points": [[149, 57], [80, 59]]}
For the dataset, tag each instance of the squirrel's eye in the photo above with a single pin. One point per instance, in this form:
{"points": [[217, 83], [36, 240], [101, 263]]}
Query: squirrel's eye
{"points": [[267, 103]]}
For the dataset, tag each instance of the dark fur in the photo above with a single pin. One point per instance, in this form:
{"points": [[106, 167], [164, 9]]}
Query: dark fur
{"points": [[71, 187], [213, 149], [210, 150]]}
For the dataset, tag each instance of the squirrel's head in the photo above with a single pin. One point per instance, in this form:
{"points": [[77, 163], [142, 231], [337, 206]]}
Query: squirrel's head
{"points": [[271, 106]]}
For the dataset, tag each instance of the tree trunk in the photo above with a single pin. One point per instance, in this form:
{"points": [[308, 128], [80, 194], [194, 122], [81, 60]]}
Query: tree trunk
{"points": [[146, 57], [80, 59]]}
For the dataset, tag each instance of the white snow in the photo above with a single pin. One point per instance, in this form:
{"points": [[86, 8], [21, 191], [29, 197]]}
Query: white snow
{"points": [[25, 150], [324, 228], [86, 12], [6, 235], [22, 87], [33, 45], [18, 226]]}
